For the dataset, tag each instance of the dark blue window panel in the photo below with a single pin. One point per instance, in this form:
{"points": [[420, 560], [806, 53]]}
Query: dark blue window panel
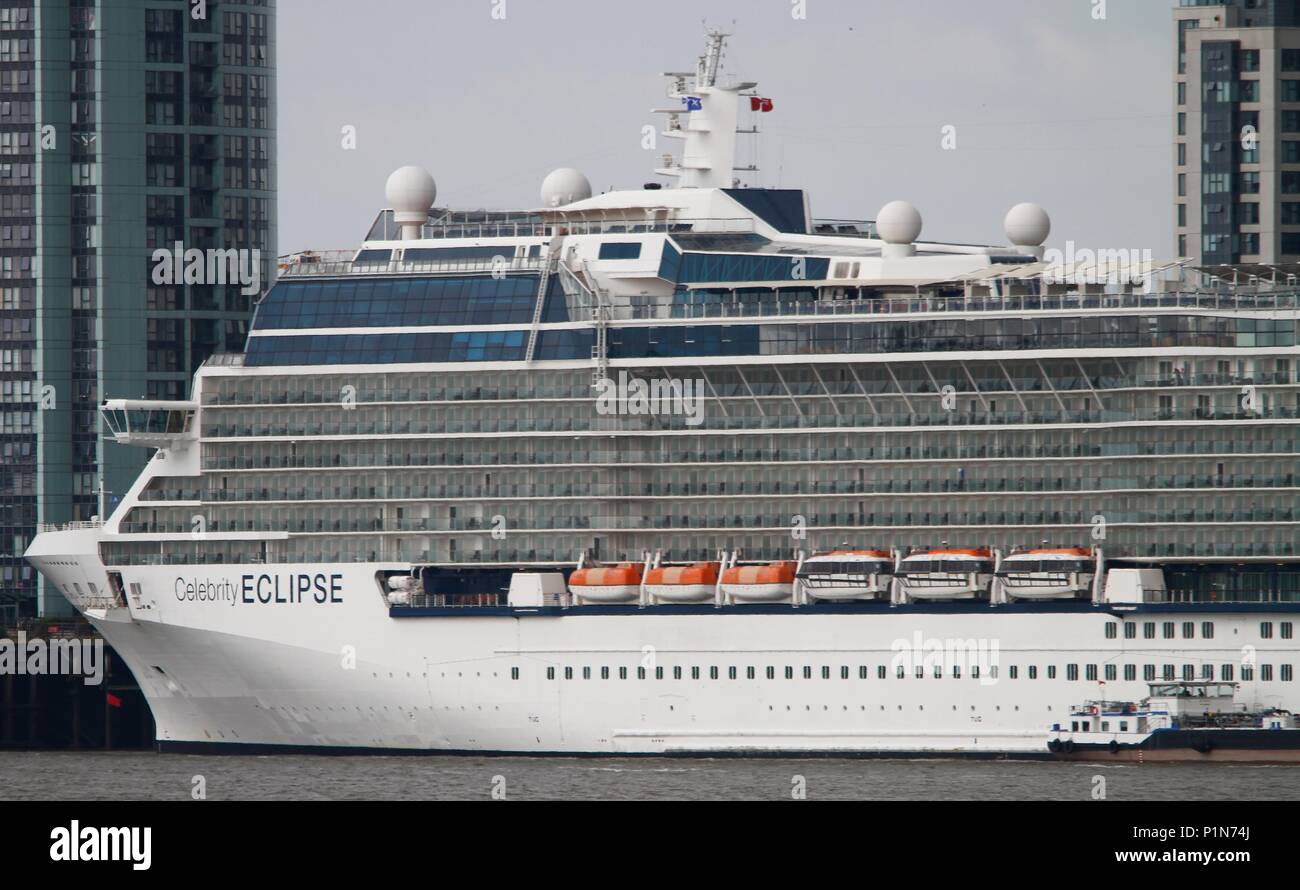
{"points": [[556, 309], [670, 264], [373, 256], [706, 267], [448, 254], [365, 349], [620, 250], [782, 209], [565, 345], [398, 302]]}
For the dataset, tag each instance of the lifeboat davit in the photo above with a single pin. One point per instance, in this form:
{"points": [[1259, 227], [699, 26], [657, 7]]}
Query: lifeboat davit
{"points": [[1048, 573], [683, 584], [847, 574], [773, 583], [607, 584], [946, 574]]}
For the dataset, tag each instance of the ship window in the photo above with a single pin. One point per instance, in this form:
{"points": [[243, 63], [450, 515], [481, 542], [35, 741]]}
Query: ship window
{"points": [[1033, 672], [826, 672], [604, 673], [1189, 630], [1266, 672], [568, 673], [659, 673], [1130, 672], [789, 672], [1266, 630], [844, 672], [749, 673], [695, 673], [1105, 726], [1286, 673], [1207, 630], [1169, 630], [956, 672], [1074, 726], [677, 672], [1087, 726], [713, 673], [1148, 672], [1112, 630], [1189, 672], [1071, 672], [1207, 672], [920, 672], [1149, 630], [807, 672], [1288, 630], [640, 673], [622, 673], [771, 672], [1112, 673], [938, 672], [1013, 672], [620, 250], [1130, 630], [862, 672], [881, 673], [514, 673], [901, 672], [1247, 673], [550, 673], [1123, 726], [1090, 673], [1168, 672], [586, 673]]}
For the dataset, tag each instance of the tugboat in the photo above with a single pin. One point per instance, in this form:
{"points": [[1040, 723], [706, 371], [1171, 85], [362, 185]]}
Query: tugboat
{"points": [[1178, 721]]}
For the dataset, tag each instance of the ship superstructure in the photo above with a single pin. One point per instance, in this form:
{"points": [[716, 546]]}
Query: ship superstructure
{"points": [[765, 441]]}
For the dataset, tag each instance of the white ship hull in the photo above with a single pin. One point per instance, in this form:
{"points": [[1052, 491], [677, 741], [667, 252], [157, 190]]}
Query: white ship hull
{"points": [[223, 660]]}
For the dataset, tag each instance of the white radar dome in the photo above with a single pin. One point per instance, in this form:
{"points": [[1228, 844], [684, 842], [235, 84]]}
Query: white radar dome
{"points": [[411, 192], [1027, 225], [898, 223], [564, 186]]}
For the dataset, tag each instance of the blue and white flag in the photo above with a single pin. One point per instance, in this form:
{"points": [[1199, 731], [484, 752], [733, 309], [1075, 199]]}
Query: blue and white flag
{"points": [[693, 103]]}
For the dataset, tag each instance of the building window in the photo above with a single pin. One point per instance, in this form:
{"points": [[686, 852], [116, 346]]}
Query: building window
{"points": [[1247, 213], [1249, 91], [1290, 90], [1182, 92], [1249, 243], [1248, 183], [1182, 123], [1248, 60]]}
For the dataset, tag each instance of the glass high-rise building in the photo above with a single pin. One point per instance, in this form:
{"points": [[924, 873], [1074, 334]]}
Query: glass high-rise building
{"points": [[1237, 132], [126, 126]]}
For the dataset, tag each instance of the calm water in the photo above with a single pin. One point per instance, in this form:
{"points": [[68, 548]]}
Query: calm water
{"points": [[148, 776]]}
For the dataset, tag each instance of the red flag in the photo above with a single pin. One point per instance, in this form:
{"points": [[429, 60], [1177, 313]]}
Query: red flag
{"points": [[755, 103], [766, 106], [114, 701]]}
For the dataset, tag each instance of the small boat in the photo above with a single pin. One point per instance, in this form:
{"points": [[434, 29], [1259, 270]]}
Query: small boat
{"points": [[607, 584], [773, 583], [1048, 574], [1178, 721], [683, 584], [946, 574], [847, 574]]}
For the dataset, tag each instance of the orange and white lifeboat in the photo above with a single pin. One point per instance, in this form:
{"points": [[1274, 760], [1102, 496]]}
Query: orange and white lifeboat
{"points": [[1048, 573], [847, 574], [773, 583], [683, 584], [607, 584], [946, 574]]}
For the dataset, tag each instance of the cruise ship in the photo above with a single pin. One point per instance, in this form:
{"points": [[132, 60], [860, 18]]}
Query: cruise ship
{"points": [[682, 469]]}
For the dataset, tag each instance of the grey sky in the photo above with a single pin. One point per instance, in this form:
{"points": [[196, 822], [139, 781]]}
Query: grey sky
{"points": [[1050, 105]]}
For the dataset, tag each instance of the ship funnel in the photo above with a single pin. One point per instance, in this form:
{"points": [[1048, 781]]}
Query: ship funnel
{"points": [[1027, 227], [411, 192], [899, 225]]}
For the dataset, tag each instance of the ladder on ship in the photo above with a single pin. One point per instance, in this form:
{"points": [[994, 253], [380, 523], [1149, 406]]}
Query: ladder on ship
{"points": [[543, 283], [600, 350]]}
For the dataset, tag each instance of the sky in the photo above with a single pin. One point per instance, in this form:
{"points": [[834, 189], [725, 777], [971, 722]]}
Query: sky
{"points": [[1067, 103]]}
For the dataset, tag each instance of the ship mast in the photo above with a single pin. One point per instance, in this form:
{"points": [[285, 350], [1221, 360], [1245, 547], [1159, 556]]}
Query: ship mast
{"points": [[708, 158]]}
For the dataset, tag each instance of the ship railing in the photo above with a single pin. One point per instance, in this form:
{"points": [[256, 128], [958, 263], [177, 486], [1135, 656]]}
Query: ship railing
{"points": [[317, 268], [525, 225], [776, 307], [69, 526]]}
